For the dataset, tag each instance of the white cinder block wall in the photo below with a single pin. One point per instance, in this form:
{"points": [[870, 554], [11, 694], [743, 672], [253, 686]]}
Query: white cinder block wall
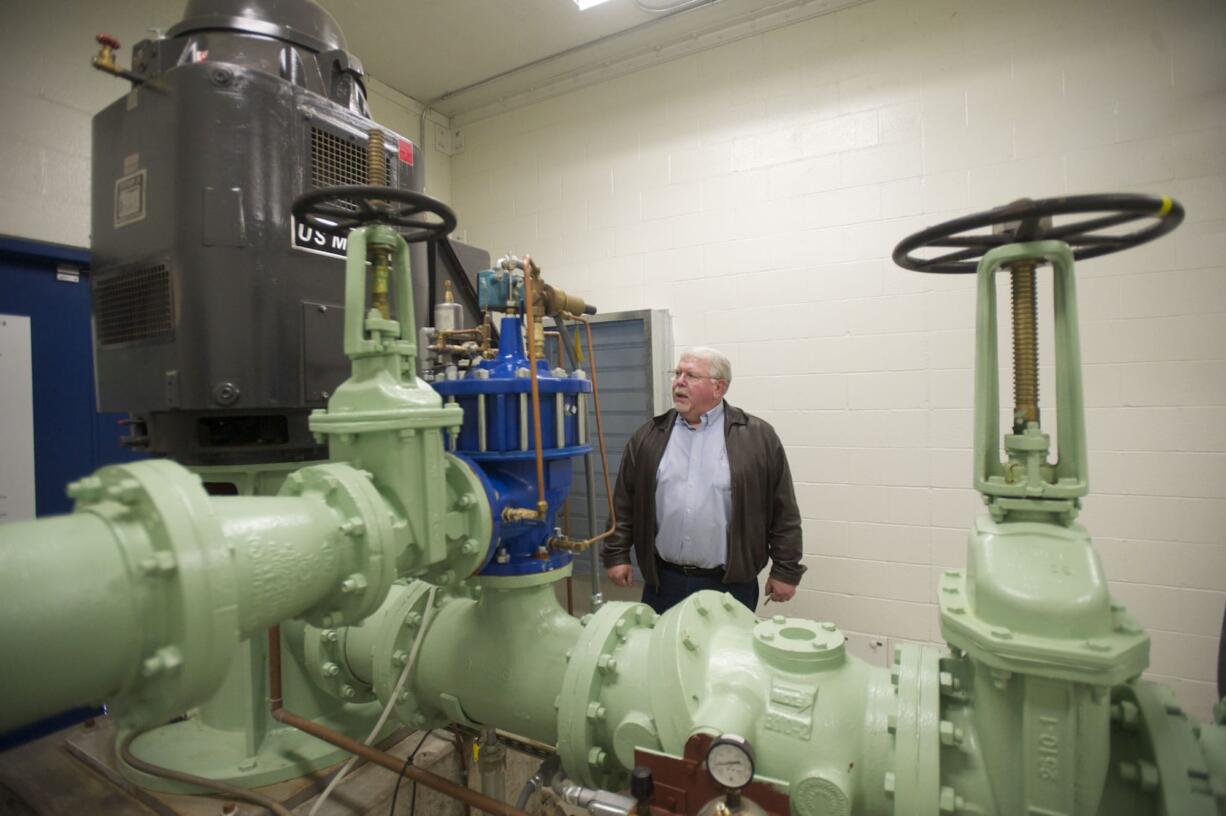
{"points": [[49, 95], [756, 190]]}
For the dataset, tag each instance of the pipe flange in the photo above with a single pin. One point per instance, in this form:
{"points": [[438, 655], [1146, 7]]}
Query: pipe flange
{"points": [[367, 543], [173, 545], [591, 667], [324, 650], [916, 776], [406, 612], [680, 652], [798, 645], [470, 526]]}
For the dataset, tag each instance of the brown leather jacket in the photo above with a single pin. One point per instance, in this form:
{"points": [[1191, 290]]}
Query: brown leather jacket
{"points": [[765, 519]]}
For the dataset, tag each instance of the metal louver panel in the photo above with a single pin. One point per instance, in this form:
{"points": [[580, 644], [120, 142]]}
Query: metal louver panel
{"points": [[336, 161], [134, 304]]}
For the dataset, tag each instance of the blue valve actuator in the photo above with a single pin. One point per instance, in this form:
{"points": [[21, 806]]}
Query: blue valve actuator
{"points": [[500, 289], [497, 437]]}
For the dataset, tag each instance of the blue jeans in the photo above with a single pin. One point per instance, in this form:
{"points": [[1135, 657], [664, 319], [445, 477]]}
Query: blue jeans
{"points": [[675, 587]]}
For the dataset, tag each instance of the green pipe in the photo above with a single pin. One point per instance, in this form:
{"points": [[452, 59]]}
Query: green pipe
{"points": [[155, 583], [499, 659], [72, 616], [929, 735], [287, 554]]}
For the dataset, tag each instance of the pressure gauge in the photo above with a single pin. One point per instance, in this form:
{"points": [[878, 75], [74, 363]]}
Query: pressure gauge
{"points": [[730, 762]]}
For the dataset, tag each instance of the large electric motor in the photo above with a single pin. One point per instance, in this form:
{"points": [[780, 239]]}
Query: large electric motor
{"points": [[218, 318]]}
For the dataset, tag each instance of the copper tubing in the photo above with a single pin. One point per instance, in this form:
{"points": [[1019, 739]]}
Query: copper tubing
{"points": [[367, 752], [275, 698], [1025, 346], [475, 333], [570, 590], [604, 457], [530, 323]]}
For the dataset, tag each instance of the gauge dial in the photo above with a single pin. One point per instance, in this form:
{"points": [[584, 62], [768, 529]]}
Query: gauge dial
{"points": [[730, 762]]}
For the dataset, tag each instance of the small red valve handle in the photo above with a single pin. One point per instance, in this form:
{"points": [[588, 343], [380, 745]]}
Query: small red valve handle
{"points": [[107, 40]]}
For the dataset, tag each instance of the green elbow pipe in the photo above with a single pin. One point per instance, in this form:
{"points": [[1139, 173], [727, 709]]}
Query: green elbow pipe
{"points": [[161, 581]]}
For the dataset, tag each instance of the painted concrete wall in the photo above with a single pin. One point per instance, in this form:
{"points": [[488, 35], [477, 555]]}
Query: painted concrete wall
{"points": [[757, 190], [49, 93], [402, 114]]}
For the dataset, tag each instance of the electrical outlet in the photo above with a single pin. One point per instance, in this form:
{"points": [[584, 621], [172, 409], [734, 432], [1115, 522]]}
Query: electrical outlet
{"points": [[442, 139]]}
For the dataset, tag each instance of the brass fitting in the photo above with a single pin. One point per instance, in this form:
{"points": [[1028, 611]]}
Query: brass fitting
{"points": [[514, 514], [106, 58], [573, 545], [557, 301], [105, 61]]}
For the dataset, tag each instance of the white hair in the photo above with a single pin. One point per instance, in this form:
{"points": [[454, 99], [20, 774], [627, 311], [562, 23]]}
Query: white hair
{"points": [[718, 366]]}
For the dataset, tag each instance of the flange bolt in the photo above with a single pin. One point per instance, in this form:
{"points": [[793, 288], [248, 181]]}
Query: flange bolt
{"points": [[354, 583]]}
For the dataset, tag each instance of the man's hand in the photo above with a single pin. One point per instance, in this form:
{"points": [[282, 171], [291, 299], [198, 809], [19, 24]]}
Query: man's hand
{"points": [[778, 591], [622, 575]]}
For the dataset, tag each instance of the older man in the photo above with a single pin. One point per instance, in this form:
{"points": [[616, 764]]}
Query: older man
{"points": [[705, 497]]}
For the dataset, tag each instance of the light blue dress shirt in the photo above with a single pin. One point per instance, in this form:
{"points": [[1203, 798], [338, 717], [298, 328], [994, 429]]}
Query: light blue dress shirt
{"points": [[694, 493]]}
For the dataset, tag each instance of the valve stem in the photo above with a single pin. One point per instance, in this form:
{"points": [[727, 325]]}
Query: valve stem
{"points": [[376, 175], [1025, 346]]}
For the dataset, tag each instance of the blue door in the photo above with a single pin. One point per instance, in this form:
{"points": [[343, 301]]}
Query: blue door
{"points": [[71, 439]]}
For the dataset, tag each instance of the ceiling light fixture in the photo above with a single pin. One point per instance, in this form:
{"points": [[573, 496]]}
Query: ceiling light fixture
{"points": [[584, 5]]}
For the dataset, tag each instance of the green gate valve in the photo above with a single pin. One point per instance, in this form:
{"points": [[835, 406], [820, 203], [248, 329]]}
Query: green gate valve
{"points": [[387, 421], [1040, 643]]}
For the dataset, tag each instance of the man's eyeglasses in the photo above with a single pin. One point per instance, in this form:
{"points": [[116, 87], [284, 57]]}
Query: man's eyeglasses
{"points": [[685, 376]]}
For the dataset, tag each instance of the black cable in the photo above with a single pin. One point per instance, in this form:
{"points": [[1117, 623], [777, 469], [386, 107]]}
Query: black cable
{"points": [[396, 791]]}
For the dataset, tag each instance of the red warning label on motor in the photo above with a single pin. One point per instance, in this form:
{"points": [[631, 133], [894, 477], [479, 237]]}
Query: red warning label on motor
{"points": [[406, 151]]}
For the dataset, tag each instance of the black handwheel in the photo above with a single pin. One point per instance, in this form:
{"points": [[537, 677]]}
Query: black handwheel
{"points": [[417, 216], [1027, 220]]}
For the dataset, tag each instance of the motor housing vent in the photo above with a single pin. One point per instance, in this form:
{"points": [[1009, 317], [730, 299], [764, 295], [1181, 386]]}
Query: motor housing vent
{"points": [[335, 160], [134, 305]]}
